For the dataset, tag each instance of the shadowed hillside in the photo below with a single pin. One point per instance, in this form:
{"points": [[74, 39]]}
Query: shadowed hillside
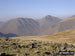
{"points": [[29, 26], [20, 26]]}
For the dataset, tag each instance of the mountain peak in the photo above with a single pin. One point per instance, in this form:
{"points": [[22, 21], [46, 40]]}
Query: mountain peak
{"points": [[20, 18], [48, 17], [51, 18]]}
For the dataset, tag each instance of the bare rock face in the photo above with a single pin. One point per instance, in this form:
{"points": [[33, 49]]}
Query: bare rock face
{"points": [[20, 26]]}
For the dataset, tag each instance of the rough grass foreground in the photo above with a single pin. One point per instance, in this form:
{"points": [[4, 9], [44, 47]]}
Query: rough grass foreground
{"points": [[17, 47]]}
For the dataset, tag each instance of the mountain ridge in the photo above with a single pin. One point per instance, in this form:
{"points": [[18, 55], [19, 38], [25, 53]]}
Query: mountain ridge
{"points": [[20, 26], [47, 22], [30, 27]]}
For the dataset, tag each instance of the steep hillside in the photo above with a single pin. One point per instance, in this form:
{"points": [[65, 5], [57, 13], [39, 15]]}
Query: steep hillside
{"points": [[20, 26], [29, 27], [47, 22], [66, 24]]}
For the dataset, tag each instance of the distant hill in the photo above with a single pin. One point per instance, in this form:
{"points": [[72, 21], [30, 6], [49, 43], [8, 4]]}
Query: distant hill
{"points": [[20, 26], [8, 35], [66, 24], [30, 27], [46, 23]]}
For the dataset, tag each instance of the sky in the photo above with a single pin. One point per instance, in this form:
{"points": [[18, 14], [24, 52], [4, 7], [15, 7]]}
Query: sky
{"points": [[36, 8]]}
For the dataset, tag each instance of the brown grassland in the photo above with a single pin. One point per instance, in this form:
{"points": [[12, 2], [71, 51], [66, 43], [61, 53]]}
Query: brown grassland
{"points": [[47, 45]]}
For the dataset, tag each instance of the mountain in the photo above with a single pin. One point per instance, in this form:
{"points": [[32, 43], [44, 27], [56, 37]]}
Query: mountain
{"points": [[20, 26], [66, 24], [47, 22]]}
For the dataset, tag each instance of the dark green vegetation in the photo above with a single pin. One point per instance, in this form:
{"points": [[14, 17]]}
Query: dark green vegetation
{"points": [[17, 47]]}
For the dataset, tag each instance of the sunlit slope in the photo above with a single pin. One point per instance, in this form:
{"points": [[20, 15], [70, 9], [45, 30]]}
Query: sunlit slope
{"points": [[66, 36], [66, 24]]}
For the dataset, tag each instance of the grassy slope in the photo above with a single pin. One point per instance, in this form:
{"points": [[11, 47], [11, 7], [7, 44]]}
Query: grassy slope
{"points": [[66, 36], [47, 45]]}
